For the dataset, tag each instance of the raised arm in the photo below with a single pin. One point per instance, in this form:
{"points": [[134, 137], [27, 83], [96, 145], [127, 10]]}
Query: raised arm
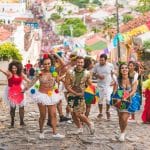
{"points": [[6, 73], [31, 83]]}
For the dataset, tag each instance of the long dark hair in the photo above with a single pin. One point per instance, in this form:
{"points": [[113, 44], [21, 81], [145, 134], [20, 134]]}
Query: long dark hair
{"points": [[47, 56], [87, 62], [120, 75], [18, 65]]}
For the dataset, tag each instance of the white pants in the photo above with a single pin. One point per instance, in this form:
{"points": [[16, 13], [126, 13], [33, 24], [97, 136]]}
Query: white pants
{"points": [[105, 94]]}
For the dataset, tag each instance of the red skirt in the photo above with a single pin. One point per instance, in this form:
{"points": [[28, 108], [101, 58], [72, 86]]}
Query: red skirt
{"points": [[146, 112]]}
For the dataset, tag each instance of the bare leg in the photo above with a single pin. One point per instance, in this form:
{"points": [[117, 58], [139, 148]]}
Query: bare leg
{"points": [[75, 117], [123, 121], [88, 108], [107, 111], [59, 108], [133, 116], [84, 119], [52, 112], [42, 110], [100, 106]]}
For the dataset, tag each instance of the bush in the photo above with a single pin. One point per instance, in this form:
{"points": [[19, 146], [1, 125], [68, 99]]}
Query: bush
{"points": [[55, 16], [78, 27], [143, 8], [9, 51], [146, 45], [127, 18]]}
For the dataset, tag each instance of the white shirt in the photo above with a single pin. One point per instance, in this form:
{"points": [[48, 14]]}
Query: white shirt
{"points": [[105, 70]]}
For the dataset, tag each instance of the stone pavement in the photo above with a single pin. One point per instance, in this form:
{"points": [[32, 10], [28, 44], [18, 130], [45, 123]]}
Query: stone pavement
{"points": [[105, 137]]}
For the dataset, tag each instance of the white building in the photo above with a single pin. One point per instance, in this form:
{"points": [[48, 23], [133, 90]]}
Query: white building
{"points": [[51, 7], [10, 11]]}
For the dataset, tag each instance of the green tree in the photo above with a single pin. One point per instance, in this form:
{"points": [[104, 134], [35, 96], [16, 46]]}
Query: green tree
{"points": [[69, 12], [144, 2], [144, 6], [55, 16], [127, 17], [109, 22], [1, 22], [9, 51], [78, 27], [146, 45], [87, 48], [59, 9]]}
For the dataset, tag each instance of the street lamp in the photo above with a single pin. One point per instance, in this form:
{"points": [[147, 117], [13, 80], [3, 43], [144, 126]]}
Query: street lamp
{"points": [[117, 17]]}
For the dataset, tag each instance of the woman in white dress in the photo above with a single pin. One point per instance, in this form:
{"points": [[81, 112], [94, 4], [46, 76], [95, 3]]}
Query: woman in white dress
{"points": [[47, 96]]}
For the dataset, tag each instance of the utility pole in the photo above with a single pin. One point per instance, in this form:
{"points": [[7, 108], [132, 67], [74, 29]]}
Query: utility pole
{"points": [[117, 17], [71, 30]]}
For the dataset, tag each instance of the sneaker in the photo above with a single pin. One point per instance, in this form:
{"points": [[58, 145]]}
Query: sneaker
{"points": [[131, 120], [79, 130], [41, 136], [122, 137], [70, 121], [64, 119], [58, 136], [91, 128], [100, 115]]}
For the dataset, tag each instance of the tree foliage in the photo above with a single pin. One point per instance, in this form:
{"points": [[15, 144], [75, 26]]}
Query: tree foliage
{"points": [[83, 3], [59, 9], [77, 25], [127, 17], [55, 16], [9, 51], [146, 45], [144, 6]]}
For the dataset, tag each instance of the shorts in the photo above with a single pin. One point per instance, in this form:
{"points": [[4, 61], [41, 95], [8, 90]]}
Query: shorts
{"points": [[76, 104], [105, 94]]}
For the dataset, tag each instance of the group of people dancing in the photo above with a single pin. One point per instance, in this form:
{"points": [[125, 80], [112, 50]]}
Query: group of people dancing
{"points": [[59, 80]]}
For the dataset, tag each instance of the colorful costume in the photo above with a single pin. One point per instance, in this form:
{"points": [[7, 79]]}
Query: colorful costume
{"points": [[13, 93], [146, 112], [52, 97], [131, 104], [77, 81]]}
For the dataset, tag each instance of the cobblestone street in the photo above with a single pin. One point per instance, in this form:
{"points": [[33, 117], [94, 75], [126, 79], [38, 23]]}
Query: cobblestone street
{"points": [[105, 137]]}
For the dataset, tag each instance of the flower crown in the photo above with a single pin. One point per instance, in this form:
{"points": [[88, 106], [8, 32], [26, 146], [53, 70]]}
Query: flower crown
{"points": [[45, 56]]}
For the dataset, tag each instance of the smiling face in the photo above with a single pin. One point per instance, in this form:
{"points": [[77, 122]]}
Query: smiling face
{"points": [[47, 64], [124, 69], [80, 63], [14, 69], [131, 66]]}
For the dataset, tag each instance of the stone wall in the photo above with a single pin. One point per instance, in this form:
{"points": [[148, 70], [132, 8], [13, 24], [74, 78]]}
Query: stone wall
{"points": [[3, 65]]}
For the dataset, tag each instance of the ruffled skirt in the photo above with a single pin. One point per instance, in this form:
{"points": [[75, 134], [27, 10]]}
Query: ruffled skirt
{"points": [[45, 99], [15, 99], [131, 106]]}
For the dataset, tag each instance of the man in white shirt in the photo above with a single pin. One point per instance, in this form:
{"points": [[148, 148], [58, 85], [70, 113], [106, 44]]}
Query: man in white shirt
{"points": [[104, 72]]}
